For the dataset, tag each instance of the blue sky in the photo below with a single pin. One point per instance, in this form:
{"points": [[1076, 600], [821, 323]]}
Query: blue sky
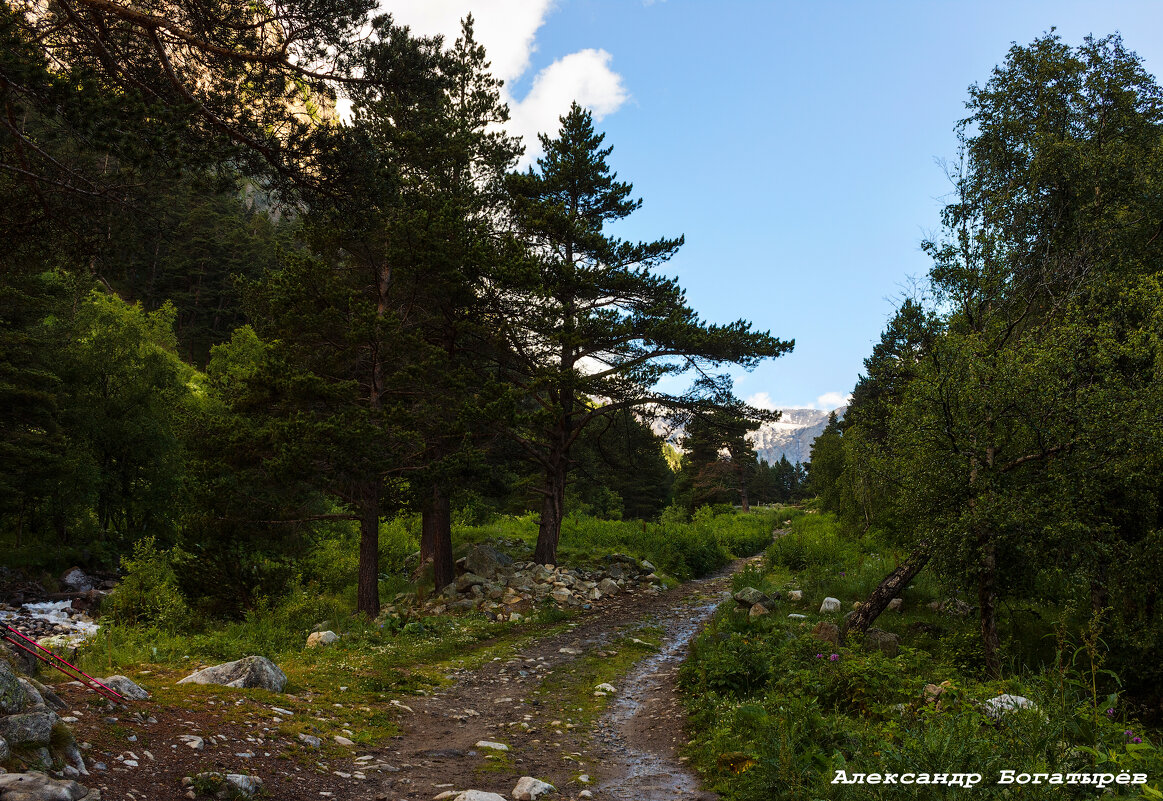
{"points": [[796, 145]]}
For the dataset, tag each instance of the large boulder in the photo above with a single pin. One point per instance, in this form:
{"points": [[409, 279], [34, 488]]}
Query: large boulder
{"points": [[830, 605], [34, 786], [608, 586], [13, 697], [749, 596], [29, 729], [468, 581], [877, 640], [252, 671], [485, 560], [126, 688]]}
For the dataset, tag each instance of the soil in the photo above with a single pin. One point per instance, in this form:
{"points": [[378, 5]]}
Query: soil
{"points": [[629, 751]]}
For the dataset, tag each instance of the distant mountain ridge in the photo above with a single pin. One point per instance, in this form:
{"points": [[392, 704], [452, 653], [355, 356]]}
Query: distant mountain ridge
{"points": [[792, 435]]}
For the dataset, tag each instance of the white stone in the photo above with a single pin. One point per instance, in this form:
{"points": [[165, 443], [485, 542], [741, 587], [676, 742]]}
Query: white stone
{"points": [[529, 789], [607, 688], [996, 707], [479, 795], [830, 605], [794, 616], [795, 595], [320, 638], [491, 745], [252, 671], [341, 740]]}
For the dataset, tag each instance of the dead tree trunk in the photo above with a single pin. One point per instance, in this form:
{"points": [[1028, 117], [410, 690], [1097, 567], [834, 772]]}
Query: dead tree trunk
{"points": [[890, 587]]}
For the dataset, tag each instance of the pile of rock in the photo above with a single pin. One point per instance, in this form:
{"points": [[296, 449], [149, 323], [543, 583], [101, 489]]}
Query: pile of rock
{"points": [[32, 736], [492, 582]]}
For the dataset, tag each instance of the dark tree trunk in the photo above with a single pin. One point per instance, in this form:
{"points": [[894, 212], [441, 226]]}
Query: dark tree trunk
{"points": [[986, 601], [552, 512], [436, 529], [890, 587], [743, 499], [427, 542], [368, 593]]}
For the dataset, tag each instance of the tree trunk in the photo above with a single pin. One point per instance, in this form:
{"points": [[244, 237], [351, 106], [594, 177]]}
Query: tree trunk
{"points": [[437, 533], [368, 593], [986, 601], [427, 543], [890, 587], [552, 512]]}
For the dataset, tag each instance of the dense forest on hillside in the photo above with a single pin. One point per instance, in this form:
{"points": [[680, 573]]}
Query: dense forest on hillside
{"points": [[235, 326]]}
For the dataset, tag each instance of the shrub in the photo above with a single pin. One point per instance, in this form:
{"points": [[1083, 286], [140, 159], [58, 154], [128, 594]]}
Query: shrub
{"points": [[148, 594]]}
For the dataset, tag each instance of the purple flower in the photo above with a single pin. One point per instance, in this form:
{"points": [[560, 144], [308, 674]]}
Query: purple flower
{"points": [[842, 573], [833, 657], [821, 656], [1128, 734], [1110, 713], [1137, 740]]}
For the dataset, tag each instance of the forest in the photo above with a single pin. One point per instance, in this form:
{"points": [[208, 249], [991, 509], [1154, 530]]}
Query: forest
{"points": [[236, 324]]}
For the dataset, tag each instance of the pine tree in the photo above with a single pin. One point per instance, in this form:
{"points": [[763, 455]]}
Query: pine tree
{"points": [[598, 327]]}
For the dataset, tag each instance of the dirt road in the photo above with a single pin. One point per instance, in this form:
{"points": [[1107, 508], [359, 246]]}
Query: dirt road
{"points": [[542, 704]]}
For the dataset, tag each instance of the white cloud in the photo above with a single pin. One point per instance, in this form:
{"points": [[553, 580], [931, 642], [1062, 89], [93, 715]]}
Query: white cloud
{"points": [[508, 30], [832, 400], [826, 402], [584, 76], [761, 400]]}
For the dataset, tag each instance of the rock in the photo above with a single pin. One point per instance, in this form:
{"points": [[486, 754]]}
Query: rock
{"points": [[757, 610], [647, 567], [193, 741], [877, 640], [253, 671], [895, 605], [830, 605], [485, 560], [309, 741], [75, 580], [34, 786], [585, 794], [341, 740], [321, 638], [126, 687], [794, 616], [468, 581], [479, 795], [795, 595], [606, 688], [749, 596], [50, 698], [489, 744], [1003, 704], [528, 789], [33, 696], [828, 632], [5, 752], [562, 596], [13, 697], [959, 608], [30, 729], [232, 785], [608, 586]]}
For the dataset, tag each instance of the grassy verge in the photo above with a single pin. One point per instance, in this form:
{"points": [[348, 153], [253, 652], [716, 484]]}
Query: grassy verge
{"points": [[776, 712]]}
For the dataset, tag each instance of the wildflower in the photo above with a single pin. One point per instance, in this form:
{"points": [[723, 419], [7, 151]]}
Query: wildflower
{"points": [[842, 573], [1110, 713], [833, 657], [1137, 740], [1128, 734], [821, 656]]}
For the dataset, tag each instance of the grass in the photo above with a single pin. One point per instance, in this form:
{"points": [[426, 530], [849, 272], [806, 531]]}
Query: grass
{"points": [[776, 711]]}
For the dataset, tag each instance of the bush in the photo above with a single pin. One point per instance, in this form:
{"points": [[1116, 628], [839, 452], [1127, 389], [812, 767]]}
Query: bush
{"points": [[148, 594]]}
